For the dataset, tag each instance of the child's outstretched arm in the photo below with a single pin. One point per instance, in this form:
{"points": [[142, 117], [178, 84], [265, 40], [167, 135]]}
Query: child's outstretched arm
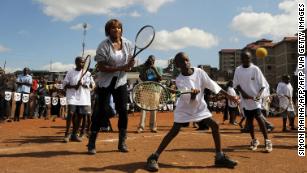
{"points": [[230, 97]]}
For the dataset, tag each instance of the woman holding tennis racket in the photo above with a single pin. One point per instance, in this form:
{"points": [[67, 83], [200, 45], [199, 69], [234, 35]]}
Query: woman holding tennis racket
{"points": [[113, 57], [192, 107]]}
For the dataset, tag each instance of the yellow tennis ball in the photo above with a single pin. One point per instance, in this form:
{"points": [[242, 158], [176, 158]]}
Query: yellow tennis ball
{"points": [[261, 52]]}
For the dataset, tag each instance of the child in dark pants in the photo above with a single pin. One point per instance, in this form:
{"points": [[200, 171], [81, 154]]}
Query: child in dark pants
{"points": [[192, 108]]}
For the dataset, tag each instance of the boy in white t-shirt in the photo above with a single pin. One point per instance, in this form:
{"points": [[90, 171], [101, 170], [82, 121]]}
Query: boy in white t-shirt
{"points": [[232, 107], [192, 107], [285, 88], [250, 82], [78, 98]]}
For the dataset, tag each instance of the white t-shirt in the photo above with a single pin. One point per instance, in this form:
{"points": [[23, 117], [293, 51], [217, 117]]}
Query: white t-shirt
{"points": [[231, 92], [251, 80], [119, 60], [188, 110], [82, 96], [286, 90]]}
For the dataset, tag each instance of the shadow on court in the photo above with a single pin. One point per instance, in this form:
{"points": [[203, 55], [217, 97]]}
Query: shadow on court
{"points": [[43, 154], [35, 140], [49, 154], [284, 136], [134, 167]]}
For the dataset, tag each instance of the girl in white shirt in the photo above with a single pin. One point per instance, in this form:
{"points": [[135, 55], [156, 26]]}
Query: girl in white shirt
{"points": [[192, 107]]}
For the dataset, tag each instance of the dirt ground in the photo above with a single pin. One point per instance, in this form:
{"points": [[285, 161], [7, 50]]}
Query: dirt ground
{"points": [[35, 146]]}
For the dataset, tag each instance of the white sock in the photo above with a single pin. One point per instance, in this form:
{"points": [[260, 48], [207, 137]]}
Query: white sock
{"points": [[219, 155]]}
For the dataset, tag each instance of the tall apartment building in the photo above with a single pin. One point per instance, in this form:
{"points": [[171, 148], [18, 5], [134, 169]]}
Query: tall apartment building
{"points": [[281, 59], [229, 59]]}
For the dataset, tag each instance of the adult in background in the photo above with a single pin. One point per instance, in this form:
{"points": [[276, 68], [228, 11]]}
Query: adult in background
{"points": [[24, 83], [55, 102], [33, 96], [42, 92], [113, 58], [149, 72]]}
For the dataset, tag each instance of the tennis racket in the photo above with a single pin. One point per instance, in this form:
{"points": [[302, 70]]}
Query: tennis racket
{"points": [[86, 67], [275, 104], [143, 39], [151, 96]]}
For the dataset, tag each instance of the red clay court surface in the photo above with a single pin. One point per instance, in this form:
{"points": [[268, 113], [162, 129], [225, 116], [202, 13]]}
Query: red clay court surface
{"points": [[35, 146]]}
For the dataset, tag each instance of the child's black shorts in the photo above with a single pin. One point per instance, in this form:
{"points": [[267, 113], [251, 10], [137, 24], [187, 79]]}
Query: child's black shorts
{"points": [[252, 113]]}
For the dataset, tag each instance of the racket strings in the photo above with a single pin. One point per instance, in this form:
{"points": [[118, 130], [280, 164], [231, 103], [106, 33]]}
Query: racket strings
{"points": [[150, 97], [276, 103], [145, 37]]}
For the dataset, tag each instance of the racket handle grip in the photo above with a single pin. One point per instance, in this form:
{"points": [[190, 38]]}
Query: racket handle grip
{"points": [[256, 99]]}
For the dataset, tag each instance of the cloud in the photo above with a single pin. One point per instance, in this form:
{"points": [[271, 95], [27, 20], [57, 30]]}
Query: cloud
{"points": [[79, 26], [158, 62], [11, 70], [135, 14], [234, 40], [67, 10], [161, 63], [153, 6], [256, 25], [4, 49], [183, 38], [58, 67]]}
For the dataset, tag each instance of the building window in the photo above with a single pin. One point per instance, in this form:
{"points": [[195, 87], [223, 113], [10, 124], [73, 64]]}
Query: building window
{"points": [[269, 67]]}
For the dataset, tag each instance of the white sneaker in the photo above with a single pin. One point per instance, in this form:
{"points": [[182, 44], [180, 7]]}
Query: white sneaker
{"points": [[254, 144], [268, 146], [140, 130]]}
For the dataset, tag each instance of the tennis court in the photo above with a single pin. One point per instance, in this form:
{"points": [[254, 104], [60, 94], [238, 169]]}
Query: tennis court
{"points": [[35, 146]]}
